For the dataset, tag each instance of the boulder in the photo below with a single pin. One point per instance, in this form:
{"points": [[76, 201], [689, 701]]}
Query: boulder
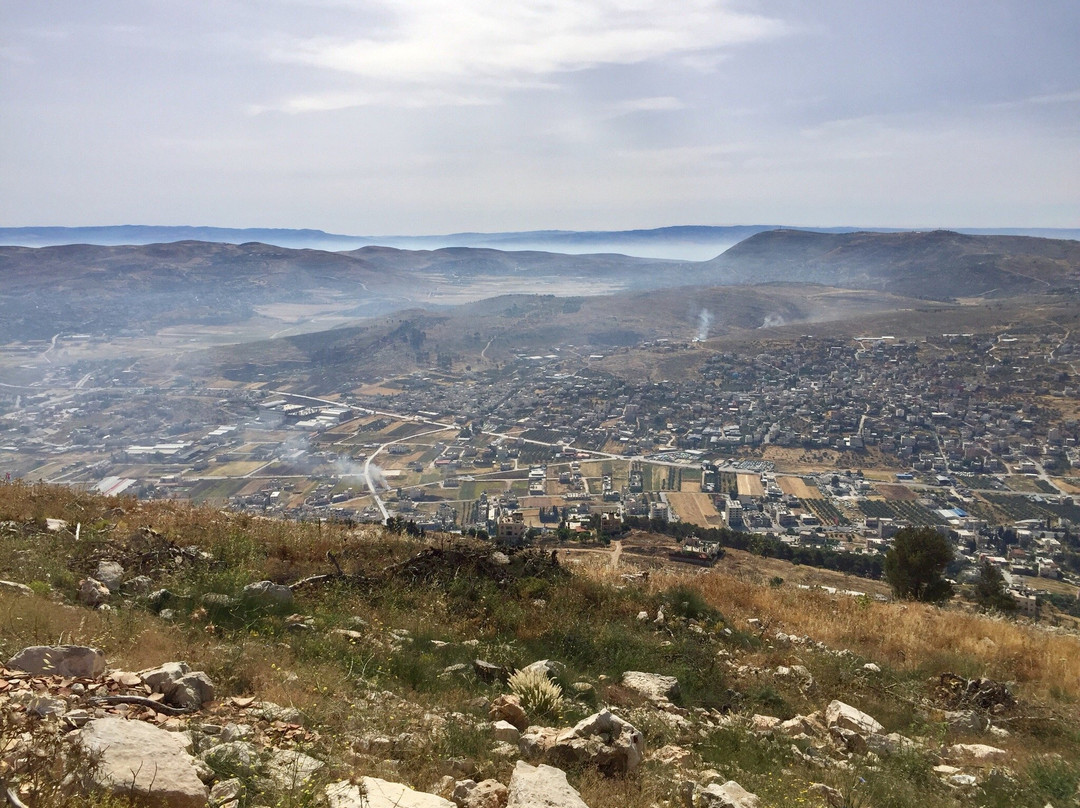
{"points": [[540, 787], [979, 754], [181, 686], [486, 794], [191, 690], [93, 592], [13, 588], [290, 769], [508, 708], [844, 716], [76, 661], [651, 685], [966, 720], [269, 592], [551, 668], [143, 762], [506, 732], [238, 757], [602, 740], [375, 793], [724, 795], [489, 671], [110, 574]]}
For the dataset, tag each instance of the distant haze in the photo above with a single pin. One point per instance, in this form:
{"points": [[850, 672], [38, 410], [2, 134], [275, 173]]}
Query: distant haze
{"points": [[669, 243]]}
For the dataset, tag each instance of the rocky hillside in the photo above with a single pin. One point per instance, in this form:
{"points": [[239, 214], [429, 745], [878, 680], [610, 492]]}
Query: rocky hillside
{"points": [[940, 265], [157, 654]]}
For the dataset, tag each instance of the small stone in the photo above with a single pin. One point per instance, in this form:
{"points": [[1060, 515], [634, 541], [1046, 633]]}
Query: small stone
{"points": [[92, 592], [506, 732], [110, 574], [870, 667], [269, 592], [76, 661]]}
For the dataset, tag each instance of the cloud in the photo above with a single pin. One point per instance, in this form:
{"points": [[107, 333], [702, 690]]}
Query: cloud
{"points": [[475, 44]]}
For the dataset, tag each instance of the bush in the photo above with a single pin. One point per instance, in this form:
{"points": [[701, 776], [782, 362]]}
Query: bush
{"points": [[915, 564], [540, 697]]}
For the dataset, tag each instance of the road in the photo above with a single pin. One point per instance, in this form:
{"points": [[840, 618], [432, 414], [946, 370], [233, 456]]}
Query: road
{"points": [[367, 467]]}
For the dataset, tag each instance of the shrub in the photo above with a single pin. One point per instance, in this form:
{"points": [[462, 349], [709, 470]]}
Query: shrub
{"points": [[540, 697]]}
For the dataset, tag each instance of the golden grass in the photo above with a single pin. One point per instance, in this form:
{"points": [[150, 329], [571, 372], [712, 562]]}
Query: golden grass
{"points": [[906, 636]]}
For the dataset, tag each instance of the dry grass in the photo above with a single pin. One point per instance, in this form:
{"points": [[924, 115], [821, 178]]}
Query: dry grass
{"points": [[911, 637]]}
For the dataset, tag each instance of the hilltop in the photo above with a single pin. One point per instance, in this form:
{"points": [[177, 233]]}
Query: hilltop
{"points": [[322, 653], [938, 265]]}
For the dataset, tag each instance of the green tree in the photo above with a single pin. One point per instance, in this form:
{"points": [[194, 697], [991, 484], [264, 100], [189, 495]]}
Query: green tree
{"points": [[915, 563], [989, 591]]}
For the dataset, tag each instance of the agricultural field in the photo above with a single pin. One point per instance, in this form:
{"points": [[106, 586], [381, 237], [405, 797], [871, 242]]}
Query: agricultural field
{"points": [[828, 513], [896, 492], [696, 509], [909, 511], [750, 485], [797, 487]]}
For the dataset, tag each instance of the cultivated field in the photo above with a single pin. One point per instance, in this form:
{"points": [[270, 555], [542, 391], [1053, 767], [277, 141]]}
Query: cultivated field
{"points": [[797, 487], [697, 509]]}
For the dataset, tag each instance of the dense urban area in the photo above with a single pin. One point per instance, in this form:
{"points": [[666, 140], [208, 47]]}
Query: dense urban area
{"points": [[822, 446]]}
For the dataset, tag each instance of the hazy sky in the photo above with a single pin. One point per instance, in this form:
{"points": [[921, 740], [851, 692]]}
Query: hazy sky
{"points": [[430, 116]]}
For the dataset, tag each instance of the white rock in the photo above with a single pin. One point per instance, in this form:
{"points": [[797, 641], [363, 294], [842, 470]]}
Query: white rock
{"points": [[962, 780], [93, 592], [111, 574], [651, 685], [506, 732], [13, 588], [838, 714], [291, 770], [549, 667], [76, 661], [977, 753], [270, 592], [540, 787], [485, 794], [144, 762], [870, 667], [727, 795], [375, 793]]}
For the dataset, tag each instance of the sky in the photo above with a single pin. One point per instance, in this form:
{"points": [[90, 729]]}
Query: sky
{"points": [[386, 117]]}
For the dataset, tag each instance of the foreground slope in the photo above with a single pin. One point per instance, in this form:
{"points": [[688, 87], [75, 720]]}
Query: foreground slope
{"points": [[370, 668]]}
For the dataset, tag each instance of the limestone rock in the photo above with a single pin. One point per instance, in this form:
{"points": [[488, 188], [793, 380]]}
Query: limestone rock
{"points": [[602, 740], [506, 732], [144, 762], [541, 787], [269, 592], [290, 769], [375, 793], [726, 795], [486, 794], [844, 716], [508, 708], [13, 588], [651, 685], [93, 592], [191, 690], [110, 574], [976, 753], [76, 661], [966, 720], [549, 667]]}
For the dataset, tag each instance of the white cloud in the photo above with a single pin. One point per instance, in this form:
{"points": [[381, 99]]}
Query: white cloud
{"points": [[495, 44]]}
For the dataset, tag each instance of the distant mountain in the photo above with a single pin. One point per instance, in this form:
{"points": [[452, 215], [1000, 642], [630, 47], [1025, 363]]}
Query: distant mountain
{"points": [[938, 265], [686, 243], [261, 290]]}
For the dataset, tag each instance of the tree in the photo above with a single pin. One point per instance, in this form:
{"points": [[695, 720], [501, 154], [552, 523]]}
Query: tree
{"points": [[915, 563], [990, 592]]}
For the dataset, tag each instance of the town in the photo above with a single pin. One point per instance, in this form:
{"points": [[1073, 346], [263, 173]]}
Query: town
{"points": [[815, 442]]}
